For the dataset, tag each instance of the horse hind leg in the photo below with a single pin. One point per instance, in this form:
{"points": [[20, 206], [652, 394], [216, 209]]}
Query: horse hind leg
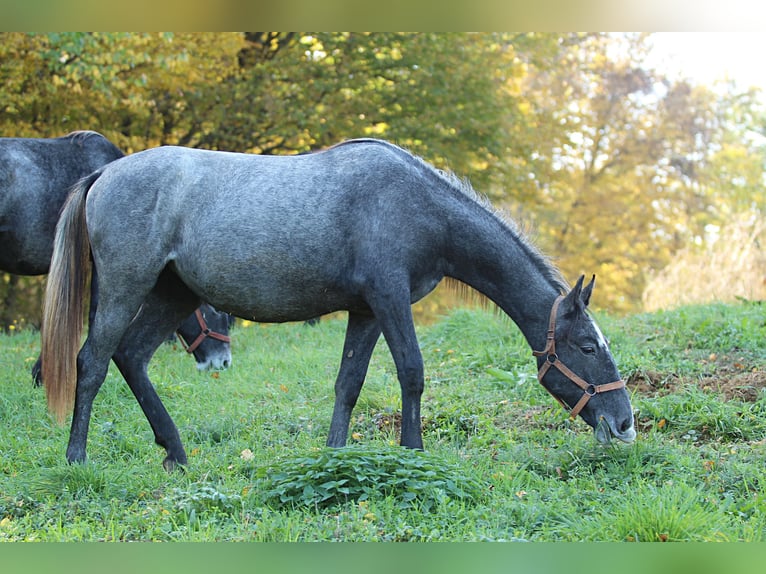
{"points": [[165, 307], [109, 324], [362, 333]]}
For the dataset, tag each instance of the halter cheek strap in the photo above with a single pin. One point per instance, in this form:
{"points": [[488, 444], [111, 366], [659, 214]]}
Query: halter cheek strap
{"points": [[204, 333], [552, 360]]}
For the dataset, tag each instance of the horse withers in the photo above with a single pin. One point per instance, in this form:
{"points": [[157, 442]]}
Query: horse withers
{"points": [[363, 226], [36, 175]]}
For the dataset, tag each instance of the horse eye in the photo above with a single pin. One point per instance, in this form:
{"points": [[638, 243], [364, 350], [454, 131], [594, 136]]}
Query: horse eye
{"points": [[588, 350]]}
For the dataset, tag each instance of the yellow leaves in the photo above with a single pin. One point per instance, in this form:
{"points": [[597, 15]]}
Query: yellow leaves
{"points": [[377, 129]]}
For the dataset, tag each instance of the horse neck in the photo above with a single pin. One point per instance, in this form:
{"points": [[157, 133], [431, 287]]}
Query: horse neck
{"points": [[491, 258]]}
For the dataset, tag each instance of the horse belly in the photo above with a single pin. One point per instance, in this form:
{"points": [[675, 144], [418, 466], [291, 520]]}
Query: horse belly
{"points": [[267, 290]]}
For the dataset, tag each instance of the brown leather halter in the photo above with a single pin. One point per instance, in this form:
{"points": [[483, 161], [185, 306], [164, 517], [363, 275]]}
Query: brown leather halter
{"points": [[204, 333], [552, 360]]}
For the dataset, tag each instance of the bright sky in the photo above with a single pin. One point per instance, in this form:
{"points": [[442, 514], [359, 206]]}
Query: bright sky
{"points": [[708, 56]]}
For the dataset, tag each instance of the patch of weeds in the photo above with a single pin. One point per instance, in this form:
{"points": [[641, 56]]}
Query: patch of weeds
{"points": [[746, 509], [450, 425], [357, 473], [199, 507], [118, 444], [738, 473], [203, 499], [16, 507]]}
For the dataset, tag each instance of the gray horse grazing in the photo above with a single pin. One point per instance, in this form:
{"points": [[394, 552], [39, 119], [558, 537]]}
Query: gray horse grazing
{"points": [[36, 175], [363, 226]]}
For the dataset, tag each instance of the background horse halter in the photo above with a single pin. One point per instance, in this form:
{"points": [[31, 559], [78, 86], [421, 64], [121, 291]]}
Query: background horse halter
{"points": [[552, 360]]}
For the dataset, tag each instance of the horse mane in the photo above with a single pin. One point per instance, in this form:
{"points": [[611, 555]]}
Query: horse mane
{"points": [[464, 188], [541, 261], [78, 136]]}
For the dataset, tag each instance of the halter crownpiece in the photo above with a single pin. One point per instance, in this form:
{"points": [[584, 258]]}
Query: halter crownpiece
{"points": [[552, 360]]}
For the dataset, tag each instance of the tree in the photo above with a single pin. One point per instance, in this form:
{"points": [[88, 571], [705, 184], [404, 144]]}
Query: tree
{"points": [[629, 152]]}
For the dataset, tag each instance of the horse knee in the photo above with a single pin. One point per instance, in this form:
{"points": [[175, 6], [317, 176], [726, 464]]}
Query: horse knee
{"points": [[411, 378]]}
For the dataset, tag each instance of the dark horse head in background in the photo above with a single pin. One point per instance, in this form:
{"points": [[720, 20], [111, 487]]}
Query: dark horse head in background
{"points": [[363, 226], [202, 333], [36, 175]]}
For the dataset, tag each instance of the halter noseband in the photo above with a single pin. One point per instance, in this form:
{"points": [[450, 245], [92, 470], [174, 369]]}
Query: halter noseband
{"points": [[552, 360], [204, 333]]}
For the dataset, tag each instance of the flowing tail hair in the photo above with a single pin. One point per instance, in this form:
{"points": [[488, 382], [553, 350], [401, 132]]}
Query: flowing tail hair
{"points": [[63, 308]]}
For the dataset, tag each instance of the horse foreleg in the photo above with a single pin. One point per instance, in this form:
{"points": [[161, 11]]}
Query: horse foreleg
{"points": [[395, 317], [362, 334]]}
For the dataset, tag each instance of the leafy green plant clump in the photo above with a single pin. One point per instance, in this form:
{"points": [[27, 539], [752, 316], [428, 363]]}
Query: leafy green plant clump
{"points": [[335, 476]]}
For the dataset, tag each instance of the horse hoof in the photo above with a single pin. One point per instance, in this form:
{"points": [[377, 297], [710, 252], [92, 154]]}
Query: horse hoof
{"points": [[171, 465]]}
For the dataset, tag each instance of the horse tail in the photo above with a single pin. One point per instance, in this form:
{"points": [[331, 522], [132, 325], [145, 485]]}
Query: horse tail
{"points": [[63, 309]]}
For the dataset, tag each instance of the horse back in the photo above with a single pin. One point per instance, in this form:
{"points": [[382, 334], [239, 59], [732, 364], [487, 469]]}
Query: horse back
{"points": [[367, 193]]}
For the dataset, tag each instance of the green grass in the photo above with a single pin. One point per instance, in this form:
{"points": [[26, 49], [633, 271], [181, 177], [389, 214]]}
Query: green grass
{"points": [[502, 460]]}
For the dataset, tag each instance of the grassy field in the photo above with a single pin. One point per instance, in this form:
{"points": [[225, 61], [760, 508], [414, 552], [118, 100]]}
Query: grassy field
{"points": [[502, 460]]}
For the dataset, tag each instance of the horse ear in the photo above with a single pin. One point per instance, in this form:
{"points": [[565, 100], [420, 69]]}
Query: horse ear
{"points": [[572, 302], [586, 293]]}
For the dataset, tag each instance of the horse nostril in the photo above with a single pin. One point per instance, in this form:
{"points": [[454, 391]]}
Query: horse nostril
{"points": [[626, 425]]}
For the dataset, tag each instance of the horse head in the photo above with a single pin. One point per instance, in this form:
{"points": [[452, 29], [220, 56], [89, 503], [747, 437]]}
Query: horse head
{"points": [[205, 335], [578, 369]]}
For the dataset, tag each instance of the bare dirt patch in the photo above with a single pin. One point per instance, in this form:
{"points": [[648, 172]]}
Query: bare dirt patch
{"points": [[653, 383], [732, 377], [744, 387]]}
